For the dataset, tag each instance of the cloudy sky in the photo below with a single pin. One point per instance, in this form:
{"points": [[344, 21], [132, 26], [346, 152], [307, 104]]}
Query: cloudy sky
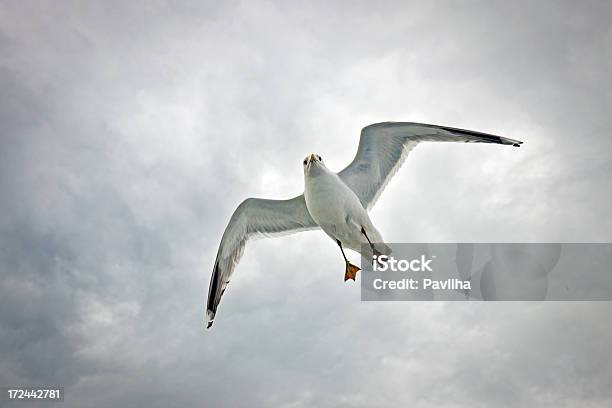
{"points": [[130, 131]]}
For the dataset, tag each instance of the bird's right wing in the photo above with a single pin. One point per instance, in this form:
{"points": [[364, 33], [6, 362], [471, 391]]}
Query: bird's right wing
{"points": [[254, 216], [384, 146]]}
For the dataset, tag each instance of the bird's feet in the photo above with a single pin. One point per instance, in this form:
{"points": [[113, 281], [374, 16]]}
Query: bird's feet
{"points": [[351, 271]]}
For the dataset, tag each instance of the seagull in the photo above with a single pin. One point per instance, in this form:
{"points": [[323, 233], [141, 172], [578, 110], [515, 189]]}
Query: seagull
{"points": [[337, 203]]}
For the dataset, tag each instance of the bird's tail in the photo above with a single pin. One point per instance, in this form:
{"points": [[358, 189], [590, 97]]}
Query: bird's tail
{"points": [[382, 248], [376, 249], [374, 241]]}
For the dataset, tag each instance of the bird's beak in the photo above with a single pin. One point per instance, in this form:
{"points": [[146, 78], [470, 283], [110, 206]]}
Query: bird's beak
{"points": [[311, 158]]}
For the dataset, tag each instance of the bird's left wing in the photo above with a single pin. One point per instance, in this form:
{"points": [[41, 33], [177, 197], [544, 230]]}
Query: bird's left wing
{"points": [[384, 146], [254, 216]]}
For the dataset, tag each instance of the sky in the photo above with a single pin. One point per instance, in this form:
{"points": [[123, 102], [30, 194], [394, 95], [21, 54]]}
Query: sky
{"points": [[130, 131]]}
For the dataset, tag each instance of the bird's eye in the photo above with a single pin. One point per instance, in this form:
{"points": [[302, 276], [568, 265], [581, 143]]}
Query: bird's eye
{"points": [[320, 159], [305, 161]]}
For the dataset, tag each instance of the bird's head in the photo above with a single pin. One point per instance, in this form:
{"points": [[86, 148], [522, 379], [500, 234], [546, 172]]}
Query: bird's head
{"points": [[312, 161]]}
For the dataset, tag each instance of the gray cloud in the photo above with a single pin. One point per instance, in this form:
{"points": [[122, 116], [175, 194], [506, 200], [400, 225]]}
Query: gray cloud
{"points": [[130, 131]]}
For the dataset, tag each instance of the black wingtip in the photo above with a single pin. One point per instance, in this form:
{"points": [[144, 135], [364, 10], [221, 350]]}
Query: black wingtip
{"points": [[209, 325]]}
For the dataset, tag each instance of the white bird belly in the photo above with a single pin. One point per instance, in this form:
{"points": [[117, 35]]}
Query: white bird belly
{"points": [[337, 210]]}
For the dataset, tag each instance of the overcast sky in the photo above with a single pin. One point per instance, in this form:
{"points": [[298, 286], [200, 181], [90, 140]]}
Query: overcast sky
{"points": [[130, 131]]}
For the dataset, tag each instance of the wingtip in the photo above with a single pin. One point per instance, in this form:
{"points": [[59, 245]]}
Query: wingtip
{"points": [[210, 316], [512, 142]]}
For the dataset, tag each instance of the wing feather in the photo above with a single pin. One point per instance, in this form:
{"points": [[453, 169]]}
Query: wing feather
{"points": [[383, 147], [253, 217]]}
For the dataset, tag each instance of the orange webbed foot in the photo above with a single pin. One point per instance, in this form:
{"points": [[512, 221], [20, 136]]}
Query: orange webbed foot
{"points": [[351, 271]]}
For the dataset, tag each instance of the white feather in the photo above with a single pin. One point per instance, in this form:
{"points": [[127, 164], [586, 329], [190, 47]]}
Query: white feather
{"points": [[383, 147]]}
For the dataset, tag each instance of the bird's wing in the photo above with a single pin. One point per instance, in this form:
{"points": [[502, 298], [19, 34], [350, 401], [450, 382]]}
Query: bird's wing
{"points": [[254, 216], [384, 146]]}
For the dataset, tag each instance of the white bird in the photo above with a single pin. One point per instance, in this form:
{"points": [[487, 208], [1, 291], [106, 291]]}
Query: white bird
{"points": [[338, 203]]}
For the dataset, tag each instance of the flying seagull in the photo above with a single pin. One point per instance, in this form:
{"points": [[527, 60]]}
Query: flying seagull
{"points": [[337, 203]]}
